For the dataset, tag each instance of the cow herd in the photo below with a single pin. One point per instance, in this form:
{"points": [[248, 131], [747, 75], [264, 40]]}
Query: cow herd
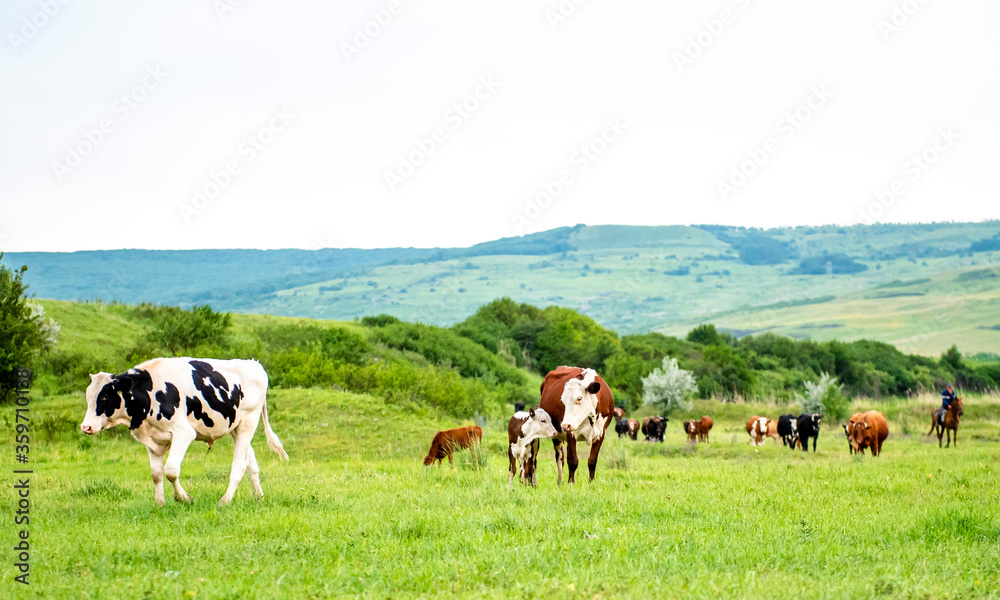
{"points": [[168, 403]]}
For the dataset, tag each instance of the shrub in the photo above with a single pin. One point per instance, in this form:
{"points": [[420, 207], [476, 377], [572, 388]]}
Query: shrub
{"points": [[179, 330], [24, 332], [669, 388]]}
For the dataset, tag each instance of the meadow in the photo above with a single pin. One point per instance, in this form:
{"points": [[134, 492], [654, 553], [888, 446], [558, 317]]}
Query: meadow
{"points": [[356, 514]]}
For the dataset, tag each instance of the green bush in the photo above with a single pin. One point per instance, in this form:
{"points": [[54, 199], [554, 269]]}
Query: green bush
{"points": [[24, 332], [178, 330]]}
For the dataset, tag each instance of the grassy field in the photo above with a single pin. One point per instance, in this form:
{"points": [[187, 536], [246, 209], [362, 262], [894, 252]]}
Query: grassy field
{"points": [[355, 514]]}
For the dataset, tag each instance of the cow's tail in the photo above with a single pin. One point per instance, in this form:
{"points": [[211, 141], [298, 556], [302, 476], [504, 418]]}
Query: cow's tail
{"points": [[272, 438]]}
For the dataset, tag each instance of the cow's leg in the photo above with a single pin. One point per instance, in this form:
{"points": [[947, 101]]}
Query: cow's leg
{"points": [[815, 439], [595, 450], [572, 460], [531, 468], [254, 471], [178, 447], [560, 456], [156, 466], [241, 459], [513, 465]]}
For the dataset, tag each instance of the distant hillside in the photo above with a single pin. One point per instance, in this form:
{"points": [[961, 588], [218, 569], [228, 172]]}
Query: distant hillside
{"points": [[921, 287]]}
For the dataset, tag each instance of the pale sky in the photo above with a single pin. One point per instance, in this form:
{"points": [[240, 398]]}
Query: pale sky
{"points": [[337, 138]]}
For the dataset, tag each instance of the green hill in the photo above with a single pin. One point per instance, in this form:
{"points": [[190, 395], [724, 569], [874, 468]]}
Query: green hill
{"points": [[809, 282]]}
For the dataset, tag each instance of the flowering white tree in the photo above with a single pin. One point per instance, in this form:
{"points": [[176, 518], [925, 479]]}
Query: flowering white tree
{"points": [[824, 396], [669, 387]]}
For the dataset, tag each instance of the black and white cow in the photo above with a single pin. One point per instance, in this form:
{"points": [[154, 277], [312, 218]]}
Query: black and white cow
{"points": [[788, 429], [808, 427], [168, 403]]}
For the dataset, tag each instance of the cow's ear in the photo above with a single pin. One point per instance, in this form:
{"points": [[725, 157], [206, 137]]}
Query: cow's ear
{"points": [[594, 387], [531, 413]]}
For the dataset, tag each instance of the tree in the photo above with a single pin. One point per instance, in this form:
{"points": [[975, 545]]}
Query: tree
{"points": [[669, 388], [24, 331], [824, 397]]}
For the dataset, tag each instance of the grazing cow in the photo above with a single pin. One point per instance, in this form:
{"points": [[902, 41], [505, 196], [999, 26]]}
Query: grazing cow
{"points": [[654, 428], [581, 402], [705, 425], [633, 429], [621, 428], [788, 430], [168, 403], [445, 442], [618, 412], [693, 430], [869, 431], [808, 427], [524, 430], [518, 407], [760, 427]]}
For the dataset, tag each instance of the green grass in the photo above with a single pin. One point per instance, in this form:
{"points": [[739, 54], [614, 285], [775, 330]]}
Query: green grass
{"points": [[355, 514]]}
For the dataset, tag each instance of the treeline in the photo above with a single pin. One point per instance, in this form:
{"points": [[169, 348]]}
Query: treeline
{"points": [[484, 363], [760, 366]]}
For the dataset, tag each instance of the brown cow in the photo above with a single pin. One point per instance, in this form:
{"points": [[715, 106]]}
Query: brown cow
{"points": [[618, 412], [581, 403], [633, 429], [869, 431], [445, 442], [705, 425]]}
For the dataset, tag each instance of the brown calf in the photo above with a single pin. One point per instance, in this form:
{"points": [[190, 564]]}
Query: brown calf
{"points": [[445, 442]]}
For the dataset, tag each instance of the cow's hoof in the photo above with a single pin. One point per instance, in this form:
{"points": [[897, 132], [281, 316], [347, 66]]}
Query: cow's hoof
{"points": [[160, 502], [224, 502], [184, 499]]}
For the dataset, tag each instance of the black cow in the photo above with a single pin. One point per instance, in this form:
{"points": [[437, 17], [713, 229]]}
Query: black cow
{"points": [[621, 427], [654, 428], [808, 426], [788, 429], [518, 406]]}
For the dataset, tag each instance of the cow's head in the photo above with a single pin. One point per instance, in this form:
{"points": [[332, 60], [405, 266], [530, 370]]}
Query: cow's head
{"points": [[689, 426], [105, 407], [859, 435], [580, 399], [539, 424]]}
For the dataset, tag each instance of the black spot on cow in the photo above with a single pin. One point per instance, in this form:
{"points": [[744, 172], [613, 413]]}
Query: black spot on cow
{"points": [[215, 390], [194, 408], [134, 386], [108, 400], [169, 400]]}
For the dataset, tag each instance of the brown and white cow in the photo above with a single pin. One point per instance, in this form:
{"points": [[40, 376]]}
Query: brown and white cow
{"points": [[445, 442], [523, 432], [761, 427], [693, 430], [869, 431], [168, 403], [633, 429], [581, 402]]}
